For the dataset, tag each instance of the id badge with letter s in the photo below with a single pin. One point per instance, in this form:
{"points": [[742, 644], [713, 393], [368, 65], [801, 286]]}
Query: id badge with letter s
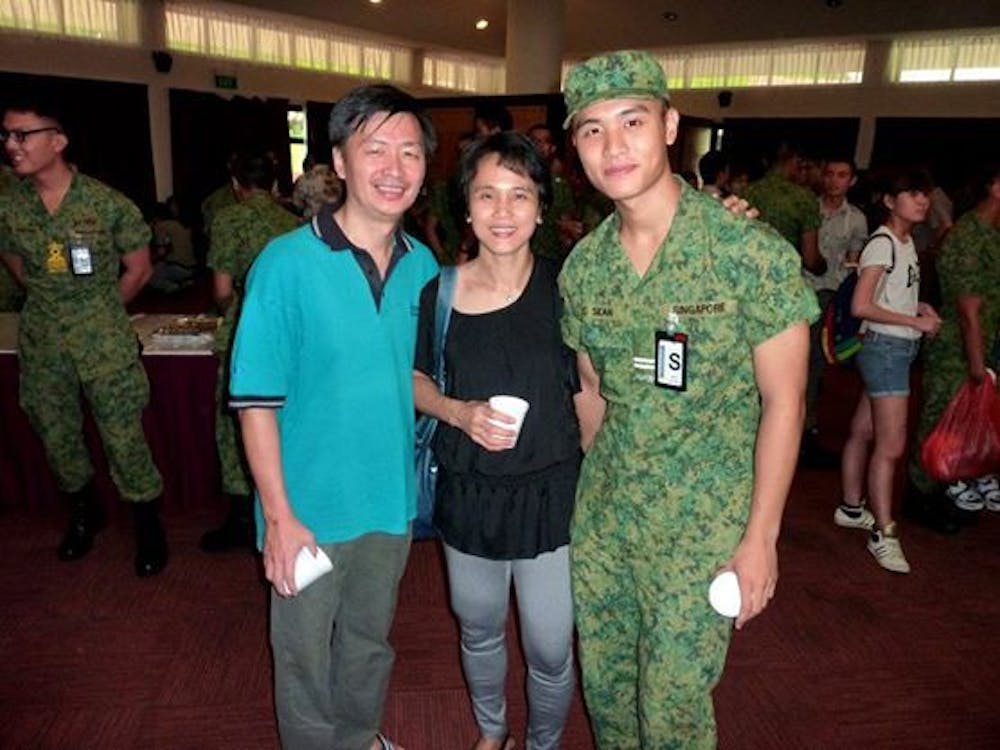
{"points": [[671, 360]]}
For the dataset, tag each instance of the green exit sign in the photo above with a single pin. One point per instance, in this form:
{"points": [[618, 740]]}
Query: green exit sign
{"points": [[225, 82]]}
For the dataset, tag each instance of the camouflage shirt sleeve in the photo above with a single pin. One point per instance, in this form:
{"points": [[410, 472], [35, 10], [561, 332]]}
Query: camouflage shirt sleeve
{"points": [[571, 320], [130, 230], [223, 252], [811, 217], [771, 293], [964, 261]]}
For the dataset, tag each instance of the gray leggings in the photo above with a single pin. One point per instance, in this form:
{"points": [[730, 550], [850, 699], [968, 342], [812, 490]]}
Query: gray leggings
{"points": [[480, 594]]}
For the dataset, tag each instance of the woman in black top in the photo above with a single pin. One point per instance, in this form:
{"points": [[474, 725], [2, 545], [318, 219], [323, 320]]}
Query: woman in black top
{"points": [[504, 506]]}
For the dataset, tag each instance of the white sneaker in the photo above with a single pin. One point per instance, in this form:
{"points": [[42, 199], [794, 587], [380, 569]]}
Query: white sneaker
{"points": [[861, 518], [989, 488], [965, 496], [887, 551]]}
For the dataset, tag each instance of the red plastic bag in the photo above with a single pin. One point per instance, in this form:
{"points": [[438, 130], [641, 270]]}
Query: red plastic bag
{"points": [[965, 443]]}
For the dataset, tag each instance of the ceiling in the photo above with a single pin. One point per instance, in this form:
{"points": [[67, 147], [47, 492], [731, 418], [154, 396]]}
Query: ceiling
{"points": [[591, 26]]}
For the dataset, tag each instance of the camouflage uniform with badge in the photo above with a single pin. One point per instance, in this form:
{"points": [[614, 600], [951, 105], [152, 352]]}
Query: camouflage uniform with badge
{"points": [[968, 266], [75, 334], [665, 489]]}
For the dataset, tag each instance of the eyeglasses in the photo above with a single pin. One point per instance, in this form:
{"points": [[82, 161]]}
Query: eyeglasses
{"points": [[20, 136]]}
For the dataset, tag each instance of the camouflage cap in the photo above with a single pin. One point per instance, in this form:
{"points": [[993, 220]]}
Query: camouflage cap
{"points": [[624, 74]]}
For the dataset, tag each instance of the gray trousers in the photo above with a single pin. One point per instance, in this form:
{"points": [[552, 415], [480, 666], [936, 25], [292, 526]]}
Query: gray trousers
{"points": [[332, 657], [480, 596]]}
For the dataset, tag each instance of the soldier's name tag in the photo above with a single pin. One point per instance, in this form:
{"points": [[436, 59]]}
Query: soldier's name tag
{"points": [[671, 360], [79, 258]]}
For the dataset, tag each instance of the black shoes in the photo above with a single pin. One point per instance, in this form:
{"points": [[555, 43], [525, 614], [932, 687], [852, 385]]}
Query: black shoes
{"points": [[85, 520], [814, 456], [236, 532], [931, 511], [150, 540]]}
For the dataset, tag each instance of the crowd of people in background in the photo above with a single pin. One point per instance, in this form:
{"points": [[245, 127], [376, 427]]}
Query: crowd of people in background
{"points": [[647, 323]]}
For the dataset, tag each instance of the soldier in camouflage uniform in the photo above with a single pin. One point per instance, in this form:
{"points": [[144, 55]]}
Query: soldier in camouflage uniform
{"points": [[968, 343], [789, 208], [11, 293], [681, 480], [220, 198], [239, 233], [64, 236]]}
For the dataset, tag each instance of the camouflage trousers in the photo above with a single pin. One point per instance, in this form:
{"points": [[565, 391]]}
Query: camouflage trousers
{"points": [[50, 396], [232, 461], [651, 647]]}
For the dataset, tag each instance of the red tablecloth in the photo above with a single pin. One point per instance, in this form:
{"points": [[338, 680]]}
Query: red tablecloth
{"points": [[179, 423]]}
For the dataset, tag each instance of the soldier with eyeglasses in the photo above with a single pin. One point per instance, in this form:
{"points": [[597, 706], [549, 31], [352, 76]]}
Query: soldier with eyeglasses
{"points": [[64, 236]]}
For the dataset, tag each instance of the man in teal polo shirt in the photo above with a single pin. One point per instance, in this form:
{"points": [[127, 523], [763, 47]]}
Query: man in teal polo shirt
{"points": [[322, 376]]}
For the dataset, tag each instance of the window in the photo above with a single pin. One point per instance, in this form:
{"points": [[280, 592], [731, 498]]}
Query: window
{"points": [[297, 139], [812, 64], [475, 75], [942, 59], [217, 30], [102, 20]]}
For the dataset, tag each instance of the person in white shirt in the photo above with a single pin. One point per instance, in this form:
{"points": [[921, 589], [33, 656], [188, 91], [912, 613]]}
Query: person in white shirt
{"points": [[841, 237]]}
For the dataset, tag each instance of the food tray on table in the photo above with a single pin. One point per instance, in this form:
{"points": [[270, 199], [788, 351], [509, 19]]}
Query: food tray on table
{"points": [[176, 334], [186, 332]]}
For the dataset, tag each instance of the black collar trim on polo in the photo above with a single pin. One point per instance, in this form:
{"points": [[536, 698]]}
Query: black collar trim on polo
{"points": [[327, 229]]}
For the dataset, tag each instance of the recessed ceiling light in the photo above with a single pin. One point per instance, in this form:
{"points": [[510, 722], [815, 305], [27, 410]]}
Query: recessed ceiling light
{"points": [[481, 24], [670, 15]]}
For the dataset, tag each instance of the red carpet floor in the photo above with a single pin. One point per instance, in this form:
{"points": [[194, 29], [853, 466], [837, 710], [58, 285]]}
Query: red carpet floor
{"points": [[848, 655]]}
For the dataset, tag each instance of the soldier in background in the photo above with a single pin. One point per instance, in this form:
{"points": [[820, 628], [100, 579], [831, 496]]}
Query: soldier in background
{"points": [[63, 235], [788, 207], [11, 292], [239, 233], [561, 227], [316, 187]]}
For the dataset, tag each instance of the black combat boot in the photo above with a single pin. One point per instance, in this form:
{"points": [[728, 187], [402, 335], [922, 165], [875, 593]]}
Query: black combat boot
{"points": [[931, 511], [85, 520], [236, 532], [150, 539]]}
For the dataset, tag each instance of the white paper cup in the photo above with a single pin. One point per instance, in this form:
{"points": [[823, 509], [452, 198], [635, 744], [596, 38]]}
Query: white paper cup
{"points": [[724, 594], [512, 406], [309, 568]]}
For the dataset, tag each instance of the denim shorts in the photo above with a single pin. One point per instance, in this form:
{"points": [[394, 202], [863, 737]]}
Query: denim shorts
{"points": [[884, 362]]}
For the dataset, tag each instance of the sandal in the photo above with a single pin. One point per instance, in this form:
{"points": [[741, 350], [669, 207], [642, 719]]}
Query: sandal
{"points": [[989, 488], [383, 742]]}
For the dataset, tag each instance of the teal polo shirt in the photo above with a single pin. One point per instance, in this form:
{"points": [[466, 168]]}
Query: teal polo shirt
{"points": [[332, 353]]}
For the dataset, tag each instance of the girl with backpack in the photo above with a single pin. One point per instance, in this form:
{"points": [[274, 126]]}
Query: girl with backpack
{"points": [[887, 300]]}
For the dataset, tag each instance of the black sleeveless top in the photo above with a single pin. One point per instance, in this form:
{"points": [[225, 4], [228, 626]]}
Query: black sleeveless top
{"points": [[517, 503]]}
